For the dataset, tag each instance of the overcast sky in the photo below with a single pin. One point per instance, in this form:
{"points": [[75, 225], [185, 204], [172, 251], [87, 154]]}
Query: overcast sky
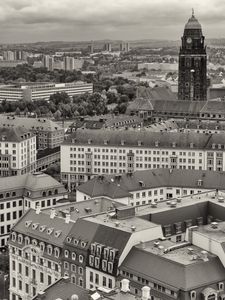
{"points": [[74, 20]]}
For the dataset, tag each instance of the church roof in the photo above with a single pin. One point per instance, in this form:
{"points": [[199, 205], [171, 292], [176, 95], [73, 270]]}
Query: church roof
{"points": [[193, 23]]}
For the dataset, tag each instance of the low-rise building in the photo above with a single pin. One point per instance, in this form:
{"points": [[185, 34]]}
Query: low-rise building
{"points": [[150, 186], [19, 193], [48, 133], [32, 92], [87, 153], [17, 151], [35, 246]]}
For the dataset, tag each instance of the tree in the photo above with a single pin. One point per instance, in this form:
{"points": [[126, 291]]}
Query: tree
{"points": [[17, 112], [57, 115], [58, 98]]}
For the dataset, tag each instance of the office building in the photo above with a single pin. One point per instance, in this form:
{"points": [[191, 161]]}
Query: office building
{"points": [[87, 153], [18, 151], [150, 186], [192, 83], [32, 92], [19, 193], [49, 135]]}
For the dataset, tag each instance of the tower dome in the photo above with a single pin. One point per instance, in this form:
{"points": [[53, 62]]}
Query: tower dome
{"points": [[193, 23]]}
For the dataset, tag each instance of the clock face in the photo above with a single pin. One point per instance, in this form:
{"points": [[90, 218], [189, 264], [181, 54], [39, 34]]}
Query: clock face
{"points": [[189, 40]]}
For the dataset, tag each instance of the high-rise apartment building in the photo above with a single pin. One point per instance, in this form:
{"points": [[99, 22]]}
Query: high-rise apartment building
{"points": [[192, 83]]}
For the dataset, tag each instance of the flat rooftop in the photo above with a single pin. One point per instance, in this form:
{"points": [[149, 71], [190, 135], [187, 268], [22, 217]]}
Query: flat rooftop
{"points": [[129, 225], [191, 200], [213, 232], [182, 253], [84, 208]]}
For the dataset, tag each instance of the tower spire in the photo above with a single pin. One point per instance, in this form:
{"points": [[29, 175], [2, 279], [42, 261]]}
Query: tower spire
{"points": [[193, 12]]}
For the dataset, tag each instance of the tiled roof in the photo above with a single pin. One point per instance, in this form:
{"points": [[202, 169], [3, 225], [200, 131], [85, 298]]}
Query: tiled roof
{"points": [[140, 104], [145, 139], [31, 182], [63, 289], [119, 186], [43, 219], [156, 93], [29, 123], [174, 270], [185, 107], [15, 134], [214, 106]]}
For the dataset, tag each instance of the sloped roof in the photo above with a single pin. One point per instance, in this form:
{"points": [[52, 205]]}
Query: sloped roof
{"points": [[119, 186], [29, 123], [63, 289], [156, 93], [214, 106], [147, 138], [187, 107], [158, 268], [15, 134], [29, 181], [58, 224], [140, 104]]}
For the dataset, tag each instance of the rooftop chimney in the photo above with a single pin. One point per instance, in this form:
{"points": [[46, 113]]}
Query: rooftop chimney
{"points": [[41, 295], [125, 285], [38, 209], [67, 219], [74, 297], [145, 293], [204, 255], [53, 213]]}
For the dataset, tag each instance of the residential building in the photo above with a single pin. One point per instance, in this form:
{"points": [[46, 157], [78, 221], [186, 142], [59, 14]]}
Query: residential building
{"points": [[125, 47], [192, 78], [36, 245], [108, 47], [19, 193], [105, 121], [69, 63], [97, 245], [32, 92], [17, 151], [150, 186], [87, 153], [49, 135], [8, 55]]}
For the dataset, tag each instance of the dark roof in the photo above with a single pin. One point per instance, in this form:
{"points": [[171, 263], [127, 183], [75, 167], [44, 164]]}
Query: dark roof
{"points": [[15, 134], [214, 106], [166, 270], [63, 289], [156, 93], [58, 224], [132, 138], [119, 186], [185, 107], [193, 23], [140, 104]]}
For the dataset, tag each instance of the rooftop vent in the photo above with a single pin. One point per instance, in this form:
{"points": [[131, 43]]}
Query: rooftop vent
{"points": [[173, 204], [117, 224], [156, 244], [214, 225], [221, 199], [154, 204], [125, 285], [133, 228]]}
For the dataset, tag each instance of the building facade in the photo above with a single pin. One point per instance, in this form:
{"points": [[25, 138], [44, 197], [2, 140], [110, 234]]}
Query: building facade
{"points": [[88, 153], [192, 83], [19, 193], [17, 151]]}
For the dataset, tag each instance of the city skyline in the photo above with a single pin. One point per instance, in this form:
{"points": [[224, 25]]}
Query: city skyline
{"points": [[50, 20]]}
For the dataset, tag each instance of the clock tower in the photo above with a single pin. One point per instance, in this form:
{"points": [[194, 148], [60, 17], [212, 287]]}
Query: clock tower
{"points": [[192, 82]]}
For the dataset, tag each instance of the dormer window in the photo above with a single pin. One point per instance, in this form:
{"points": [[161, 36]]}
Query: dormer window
{"points": [[66, 253], [57, 233], [173, 144], [28, 223], [104, 265], [93, 249], [139, 143], [68, 239], [106, 253], [191, 145], [56, 252], [122, 142], [73, 256], [13, 236], [110, 267], [156, 144], [42, 246], [81, 259], [27, 240], [49, 231], [34, 226], [193, 295], [49, 250], [213, 146], [42, 228], [76, 242], [219, 146], [220, 286], [34, 242], [99, 250], [97, 262], [91, 260], [112, 254], [89, 141], [83, 244], [105, 142], [20, 239]]}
